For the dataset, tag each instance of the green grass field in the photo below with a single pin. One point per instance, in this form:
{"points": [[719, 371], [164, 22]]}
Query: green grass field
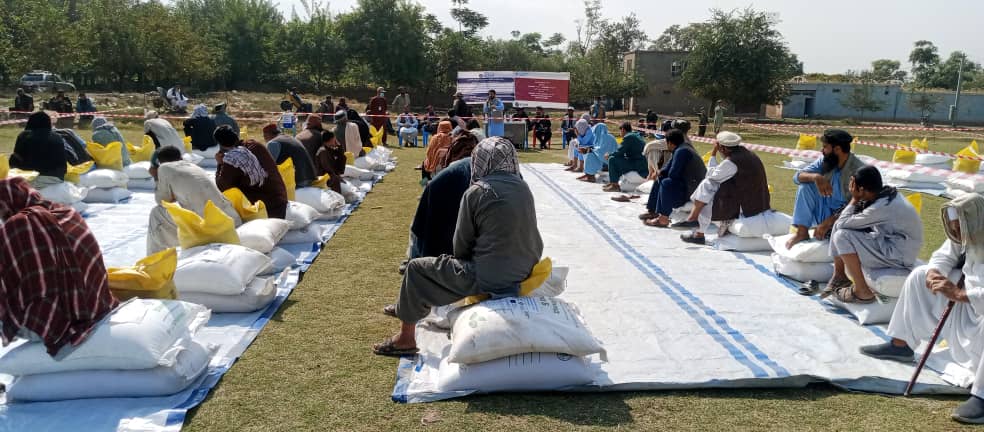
{"points": [[311, 368]]}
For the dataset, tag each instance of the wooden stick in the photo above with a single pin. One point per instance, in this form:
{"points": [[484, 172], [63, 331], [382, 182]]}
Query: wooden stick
{"points": [[929, 348]]}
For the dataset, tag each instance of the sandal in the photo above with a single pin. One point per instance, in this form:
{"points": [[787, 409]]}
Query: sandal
{"points": [[390, 310], [846, 295], [389, 349], [655, 223], [612, 188], [647, 216], [624, 198], [809, 288]]}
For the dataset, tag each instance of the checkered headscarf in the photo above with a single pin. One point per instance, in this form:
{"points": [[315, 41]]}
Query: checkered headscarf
{"points": [[493, 154]]}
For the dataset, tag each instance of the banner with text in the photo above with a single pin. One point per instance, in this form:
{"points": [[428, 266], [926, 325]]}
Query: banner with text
{"points": [[521, 89]]}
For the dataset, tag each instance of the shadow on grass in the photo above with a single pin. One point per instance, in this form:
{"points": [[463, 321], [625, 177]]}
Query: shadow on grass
{"points": [[278, 316], [595, 409]]}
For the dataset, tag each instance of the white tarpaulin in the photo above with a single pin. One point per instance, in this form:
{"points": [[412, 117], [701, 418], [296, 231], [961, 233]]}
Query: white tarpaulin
{"points": [[673, 315]]}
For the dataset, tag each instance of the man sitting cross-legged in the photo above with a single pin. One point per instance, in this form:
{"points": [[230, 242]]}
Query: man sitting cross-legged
{"points": [[676, 183]]}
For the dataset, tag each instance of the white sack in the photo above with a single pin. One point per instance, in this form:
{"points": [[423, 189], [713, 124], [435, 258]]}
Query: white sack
{"points": [[904, 175], [350, 192], [300, 214], [808, 251], [310, 234], [280, 260], [555, 284], [191, 157], [514, 325], [207, 157], [262, 235], [88, 384], [80, 207], [802, 271], [867, 314], [322, 200], [886, 281], [358, 173], [646, 187], [768, 222], [966, 184], [518, 373], [932, 159], [630, 181], [257, 295], [138, 170], [221, 269], [64, 193], [139, 334], [742, 244], [147, 184], [107, 196], [332, 215], [103, 178]]}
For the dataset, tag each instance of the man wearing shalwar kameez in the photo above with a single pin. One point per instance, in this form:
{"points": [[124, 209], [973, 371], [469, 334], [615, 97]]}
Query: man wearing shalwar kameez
{"points": [[676, 183], [595, 149], [954, 273]]}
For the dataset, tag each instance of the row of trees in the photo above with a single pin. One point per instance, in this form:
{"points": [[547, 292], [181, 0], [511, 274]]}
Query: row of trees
{"points": [[249, 44]]}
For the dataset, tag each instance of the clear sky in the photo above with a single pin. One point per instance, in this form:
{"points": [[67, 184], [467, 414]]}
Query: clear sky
{"points": [[829, 36]]}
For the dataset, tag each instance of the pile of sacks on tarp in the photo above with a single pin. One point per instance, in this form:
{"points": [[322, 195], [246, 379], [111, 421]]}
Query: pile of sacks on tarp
{"points": [[490, 339], [943, 178], [108, 182], [748, 234], [143, 348], [811, 143]]}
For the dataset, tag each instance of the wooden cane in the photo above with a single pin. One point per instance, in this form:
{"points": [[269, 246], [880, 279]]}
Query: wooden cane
{"points": [[929, 348]]}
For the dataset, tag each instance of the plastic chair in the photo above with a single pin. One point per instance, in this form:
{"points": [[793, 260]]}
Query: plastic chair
{"points": [[399, 139]]}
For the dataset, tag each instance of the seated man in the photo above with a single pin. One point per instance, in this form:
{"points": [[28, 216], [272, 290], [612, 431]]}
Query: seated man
{"points": [[596, 153], [347, 133], [877, 229], [282, 146], [428, 122], [201, 128], [84, 104], [177, 99], [658, 155], [676, 183], [823, 187], [53, 287], [627, 158], [181, 182], [406, 125], [330, 160], [310, 137], [220, 117], [75, 147], [496, 244], [23, 102], [541, 128], [162, 131], [955, 274], [736, 187], [39, 148], [248, 166], [105, 132]]}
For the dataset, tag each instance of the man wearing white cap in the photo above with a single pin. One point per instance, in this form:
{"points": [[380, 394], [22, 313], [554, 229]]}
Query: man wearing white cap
{"points": [[737, 186]]}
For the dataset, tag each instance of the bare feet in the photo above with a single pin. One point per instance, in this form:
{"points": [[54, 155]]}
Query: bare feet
{"points": [[801, 235]]}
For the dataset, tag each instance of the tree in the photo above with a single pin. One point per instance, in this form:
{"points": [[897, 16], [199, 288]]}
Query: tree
{"points": [[677, 38], [587, 29], [924, 102], [742, 58], [468, 19], [862, 97], [555, 40], [386, 35], [314, 46], [945, 74], [887, 70], [924, 59], [621, 37]]}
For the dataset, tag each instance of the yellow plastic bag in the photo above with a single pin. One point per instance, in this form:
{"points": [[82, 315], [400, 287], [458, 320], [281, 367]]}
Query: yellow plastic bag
{"points": [[904, 157], [247, 211], [541, 271], [243, 135], [321, 182], [142, 153], [973, 145], [109, 156], [806, 142], [375, 135], [73, 172], [349, 158], [967, 165], [921, 145], [4, 165], [187, 142], [287, 172], [707, 158], [150, 278], [366, 150], [916, 201], [26, 175], [193, 230]]}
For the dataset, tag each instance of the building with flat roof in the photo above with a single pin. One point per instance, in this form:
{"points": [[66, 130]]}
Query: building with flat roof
{"points": [[662, 71]]}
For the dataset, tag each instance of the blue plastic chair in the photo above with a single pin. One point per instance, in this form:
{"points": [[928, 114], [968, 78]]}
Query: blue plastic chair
{"points": [[399, 138]]}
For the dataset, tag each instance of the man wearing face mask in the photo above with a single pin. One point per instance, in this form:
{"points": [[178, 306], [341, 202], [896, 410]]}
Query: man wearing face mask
{"points": [[955, 273], [824, 187]]}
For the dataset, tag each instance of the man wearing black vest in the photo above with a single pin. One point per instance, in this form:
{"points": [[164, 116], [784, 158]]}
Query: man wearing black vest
{"points": [[676, 182], [736, 187]]}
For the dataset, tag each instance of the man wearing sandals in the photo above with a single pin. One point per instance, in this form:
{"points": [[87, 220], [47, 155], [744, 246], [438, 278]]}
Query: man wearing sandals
{"points": [[823, 187], [676, 183], [496, 244], [954, 273], [877, 229]]}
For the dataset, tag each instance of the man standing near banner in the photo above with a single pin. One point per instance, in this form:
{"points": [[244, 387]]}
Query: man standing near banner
{"points": [[494, 110]]}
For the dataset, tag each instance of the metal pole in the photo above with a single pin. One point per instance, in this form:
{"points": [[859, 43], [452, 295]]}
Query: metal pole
{"points": [[956, 100]]}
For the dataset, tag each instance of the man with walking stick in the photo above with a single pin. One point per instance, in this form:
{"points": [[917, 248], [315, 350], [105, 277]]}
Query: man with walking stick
{"points": [[953, 282]]}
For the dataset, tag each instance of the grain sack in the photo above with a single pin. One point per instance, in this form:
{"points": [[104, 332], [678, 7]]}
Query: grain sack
{"points": [[222, 269]]}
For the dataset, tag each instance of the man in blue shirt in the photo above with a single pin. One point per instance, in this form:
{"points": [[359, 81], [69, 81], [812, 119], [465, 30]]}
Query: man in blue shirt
{"points": [[824, 187]]}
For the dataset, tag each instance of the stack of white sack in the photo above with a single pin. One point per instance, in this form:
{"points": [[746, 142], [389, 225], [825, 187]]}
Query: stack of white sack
{"points": [[682, 213], [207, 156], [805, 261], [358, 173], [306, 215], [918, 180], [958, 185], [536, 343], [139, 175], [646, 187], [379, 159], [887, 284], [66, 193], [262, 235], [934, 161], [630, 182], [280, 260], [223, 277], [747, 234], [105, 186], [144, 348]]}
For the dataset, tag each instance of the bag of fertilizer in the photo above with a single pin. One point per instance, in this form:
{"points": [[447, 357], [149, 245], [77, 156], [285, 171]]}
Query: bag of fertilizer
{"points": [[322, 200], [517, 373], [257, 295], [646, 187], [768, 222], [103, 178], [107, 196], [514, 325], [313, 233], [280, 260], [630, 181], [147, 184], [221, 269], [262, 235], [138, 170], [879, 312], [91, 384], [742, 244], [300, 215], [802, 271], [64, 193], [886, 281], [358, 173], [807, 251], [138, 334]]}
